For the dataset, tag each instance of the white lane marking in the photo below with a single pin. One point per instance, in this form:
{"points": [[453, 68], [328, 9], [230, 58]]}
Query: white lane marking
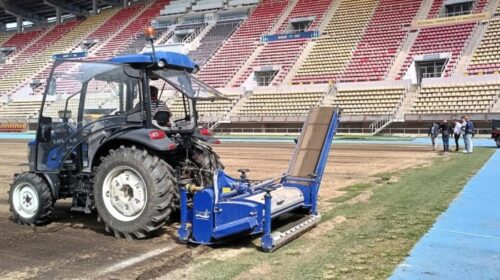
{"points": [[131, 261], [469, 233]]}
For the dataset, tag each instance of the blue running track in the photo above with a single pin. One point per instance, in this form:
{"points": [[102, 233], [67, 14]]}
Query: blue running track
{"points": [[464, 243]]}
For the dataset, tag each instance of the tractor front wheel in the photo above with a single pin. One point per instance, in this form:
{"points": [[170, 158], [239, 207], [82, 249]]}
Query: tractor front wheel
{"points": [[133, 192], [30, 199]]}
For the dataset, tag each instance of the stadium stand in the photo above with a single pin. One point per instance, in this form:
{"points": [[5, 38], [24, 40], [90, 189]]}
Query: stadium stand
{"points": [[186, 33], [333, 49], [314, 9], [486, 58], [132, 30], [208, 5], [176, 7], [479, 6], [236, 3], [39, 66], [374, 100], [209, 110], [214, 39], [13, 127], [441, 39], [21, 40], [381, 41], [20, 109], [113, 25], [219, 70], [283, 54], [281, 101], [21, 67], [4, 36], [359, 43], [280, 55], [457, 98], [95, 101], [437, 6]]}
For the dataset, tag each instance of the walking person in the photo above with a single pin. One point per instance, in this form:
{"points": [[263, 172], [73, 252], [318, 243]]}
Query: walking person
{"points": [[468, 134], [446, 130], [457, 131], [433, 133]]}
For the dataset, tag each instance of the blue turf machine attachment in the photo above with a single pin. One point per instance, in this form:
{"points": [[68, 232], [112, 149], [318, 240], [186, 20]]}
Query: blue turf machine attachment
{"points": [[236, 207]]}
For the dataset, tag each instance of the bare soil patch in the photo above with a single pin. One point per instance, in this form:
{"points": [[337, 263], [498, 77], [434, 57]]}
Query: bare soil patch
{"points": [[62, 249]]}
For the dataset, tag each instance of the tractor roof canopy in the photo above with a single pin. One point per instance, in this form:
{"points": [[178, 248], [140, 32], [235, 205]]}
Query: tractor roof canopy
{"points": [[171, 60]]}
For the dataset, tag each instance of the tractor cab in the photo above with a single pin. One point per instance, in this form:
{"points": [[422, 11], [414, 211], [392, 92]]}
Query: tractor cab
{"points": [[97, 100]]}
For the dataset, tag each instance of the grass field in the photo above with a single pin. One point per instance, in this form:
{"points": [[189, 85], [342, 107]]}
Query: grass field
{"points": [[364, 234]]}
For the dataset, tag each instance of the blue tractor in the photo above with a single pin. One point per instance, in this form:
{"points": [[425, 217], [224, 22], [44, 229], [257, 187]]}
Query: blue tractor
{"points": [[101, 142]]}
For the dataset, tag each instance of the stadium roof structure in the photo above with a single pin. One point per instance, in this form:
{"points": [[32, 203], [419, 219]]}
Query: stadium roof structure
{"points": [[38, 11]]}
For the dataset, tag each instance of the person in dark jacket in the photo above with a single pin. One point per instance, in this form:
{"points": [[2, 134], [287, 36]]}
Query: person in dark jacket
{"points": [[445, 129]]}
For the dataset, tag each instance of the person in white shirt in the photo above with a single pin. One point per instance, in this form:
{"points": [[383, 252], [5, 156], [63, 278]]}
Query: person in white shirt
{"points": [[457, 131]]}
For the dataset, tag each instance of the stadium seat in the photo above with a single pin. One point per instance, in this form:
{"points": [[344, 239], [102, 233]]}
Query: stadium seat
{"points": [[486, 58], [283, 54], [38, 67], [457, 98], [132, 21], [441, 39], [224, 64], [369, 101], [334, 47], [381, 41], [214, 39], [275, 102], [207, 110]]}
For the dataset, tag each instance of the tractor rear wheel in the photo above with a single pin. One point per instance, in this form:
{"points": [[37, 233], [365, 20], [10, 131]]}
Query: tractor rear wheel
{"points": [[133, 192], [30, 199]]}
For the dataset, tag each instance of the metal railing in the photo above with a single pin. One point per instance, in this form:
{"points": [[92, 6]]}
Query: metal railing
{"points": [[345, 130], [383, 121]]}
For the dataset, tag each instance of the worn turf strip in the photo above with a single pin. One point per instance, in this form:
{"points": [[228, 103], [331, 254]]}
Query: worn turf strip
{"points": [[377, 234]]}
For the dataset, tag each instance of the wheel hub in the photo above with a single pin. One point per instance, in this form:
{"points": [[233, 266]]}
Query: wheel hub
{"points": [[25, 200], [124, 193]]}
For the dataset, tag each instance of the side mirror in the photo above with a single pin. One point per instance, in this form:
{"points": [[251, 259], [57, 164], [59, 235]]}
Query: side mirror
{"points": [[64, 115], [45, 129]]}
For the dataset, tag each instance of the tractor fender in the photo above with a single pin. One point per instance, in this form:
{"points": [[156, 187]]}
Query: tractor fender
{"points": [[140, 137], [53, 182]]}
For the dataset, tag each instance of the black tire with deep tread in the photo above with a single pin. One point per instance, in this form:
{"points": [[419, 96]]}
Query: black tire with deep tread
{"points": [[46, 200], [160, 183], [498, 142], [213, 163]]}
